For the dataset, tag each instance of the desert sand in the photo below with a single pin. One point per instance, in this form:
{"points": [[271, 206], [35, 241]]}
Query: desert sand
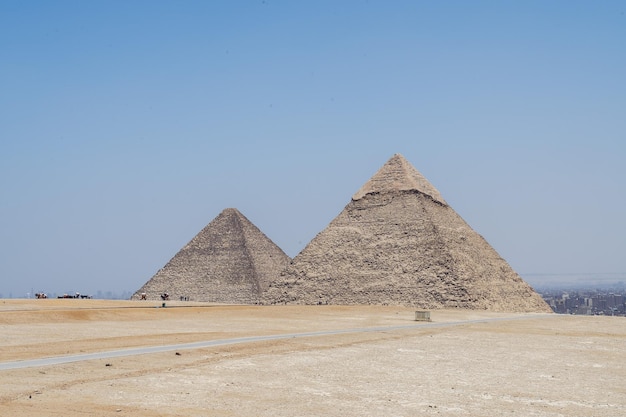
{"points": [[463, 363]]}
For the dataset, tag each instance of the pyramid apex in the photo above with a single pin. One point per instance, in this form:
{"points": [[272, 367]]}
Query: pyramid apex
{"points": [[231, 212], [398, 175]]}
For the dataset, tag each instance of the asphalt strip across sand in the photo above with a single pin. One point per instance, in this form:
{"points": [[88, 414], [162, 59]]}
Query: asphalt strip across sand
{"points": [[58, 360]]}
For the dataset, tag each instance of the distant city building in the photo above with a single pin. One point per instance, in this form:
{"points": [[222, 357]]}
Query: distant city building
{"points": [[587, 302]]}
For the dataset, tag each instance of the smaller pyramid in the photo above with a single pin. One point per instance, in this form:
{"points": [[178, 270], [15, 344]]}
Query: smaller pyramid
{"points": [[229, 261]]}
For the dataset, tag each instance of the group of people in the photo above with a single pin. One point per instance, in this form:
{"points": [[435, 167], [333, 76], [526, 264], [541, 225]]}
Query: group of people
{"points": [[165, 297]]}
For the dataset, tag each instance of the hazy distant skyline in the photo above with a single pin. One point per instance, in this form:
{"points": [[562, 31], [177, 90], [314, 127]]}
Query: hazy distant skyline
{"points": [[126, 127]]}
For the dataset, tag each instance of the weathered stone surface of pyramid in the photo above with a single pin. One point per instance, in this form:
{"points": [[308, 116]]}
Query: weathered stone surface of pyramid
{"points": [[229, 261], [398, 242]]}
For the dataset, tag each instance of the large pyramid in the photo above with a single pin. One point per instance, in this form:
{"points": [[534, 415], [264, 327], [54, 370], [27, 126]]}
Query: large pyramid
{"points": [[399, 243], [229, 261]]}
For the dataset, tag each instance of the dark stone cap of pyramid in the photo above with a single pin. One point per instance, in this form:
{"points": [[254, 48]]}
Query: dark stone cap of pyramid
{"points": [[398, 175]]}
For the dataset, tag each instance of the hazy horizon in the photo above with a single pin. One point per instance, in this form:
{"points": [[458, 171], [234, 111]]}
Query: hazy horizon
{"points": [[537, 281]]}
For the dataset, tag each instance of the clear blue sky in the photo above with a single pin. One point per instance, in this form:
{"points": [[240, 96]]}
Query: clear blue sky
{"points": [[127, 126]]}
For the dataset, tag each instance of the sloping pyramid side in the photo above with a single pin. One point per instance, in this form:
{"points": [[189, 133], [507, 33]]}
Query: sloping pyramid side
{"points": [[229, 261], [402, 246]]}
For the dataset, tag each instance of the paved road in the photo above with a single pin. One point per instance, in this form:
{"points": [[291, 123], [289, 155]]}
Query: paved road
{"points": [[58, 360]]}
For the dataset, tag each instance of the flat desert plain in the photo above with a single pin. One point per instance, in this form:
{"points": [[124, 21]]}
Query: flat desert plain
{"points": [[310, 361]]}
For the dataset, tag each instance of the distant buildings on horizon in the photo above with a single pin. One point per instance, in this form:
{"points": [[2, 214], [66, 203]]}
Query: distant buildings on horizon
{"points": [[587, 302]]}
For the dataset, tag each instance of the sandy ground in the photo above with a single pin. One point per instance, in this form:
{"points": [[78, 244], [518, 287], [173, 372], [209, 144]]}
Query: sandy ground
{"points": [[533, 365]]}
